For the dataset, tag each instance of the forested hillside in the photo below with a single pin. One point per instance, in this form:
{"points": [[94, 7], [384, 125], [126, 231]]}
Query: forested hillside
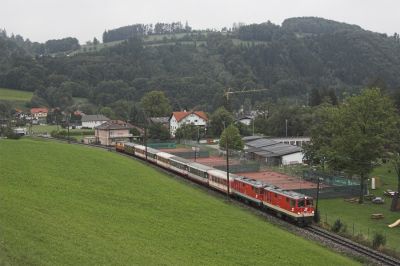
{"points": [[193, 69]]}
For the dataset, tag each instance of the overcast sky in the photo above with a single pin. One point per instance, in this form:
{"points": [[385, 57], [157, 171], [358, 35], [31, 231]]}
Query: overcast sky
{"points": [[41, 20]]}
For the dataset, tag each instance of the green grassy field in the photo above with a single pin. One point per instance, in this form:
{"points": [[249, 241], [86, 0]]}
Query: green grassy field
{"points": [[67, 204], [15, 95], [40, 129], [360, 215]]}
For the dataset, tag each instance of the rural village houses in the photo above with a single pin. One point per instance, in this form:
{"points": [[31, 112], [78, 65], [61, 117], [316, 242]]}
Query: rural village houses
{"points": [[177, 119]]}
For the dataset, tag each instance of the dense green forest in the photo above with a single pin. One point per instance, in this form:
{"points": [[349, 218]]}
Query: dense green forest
{"points": [[193, 68]]}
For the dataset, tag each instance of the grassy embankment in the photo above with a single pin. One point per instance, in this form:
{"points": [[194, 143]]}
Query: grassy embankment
{"points": [[17, 98], [360, 215], [67, 204]]}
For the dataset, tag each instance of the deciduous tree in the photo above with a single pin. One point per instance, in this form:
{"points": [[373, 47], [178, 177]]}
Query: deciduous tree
{"points": [[217, 120], [359, 131], [155, 103], [232, 136]]}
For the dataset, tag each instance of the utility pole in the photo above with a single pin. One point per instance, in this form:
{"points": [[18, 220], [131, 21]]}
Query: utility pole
{"points": [[68, 118], [316, 214], [286, 126], [145, 132], [195, 152], [227, 159], [145, 138], [253, 125]]}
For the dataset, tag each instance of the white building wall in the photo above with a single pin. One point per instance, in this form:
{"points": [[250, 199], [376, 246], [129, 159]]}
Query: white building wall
{"points": [[294, 158], [173, 126], [190, 119]]}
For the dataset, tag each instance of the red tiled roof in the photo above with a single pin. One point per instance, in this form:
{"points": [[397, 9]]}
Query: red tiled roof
{"points": [[181, 115], [39, 110]]}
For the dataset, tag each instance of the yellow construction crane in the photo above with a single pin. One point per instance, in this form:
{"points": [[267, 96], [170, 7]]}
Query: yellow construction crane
{"points": [[229, 91]]}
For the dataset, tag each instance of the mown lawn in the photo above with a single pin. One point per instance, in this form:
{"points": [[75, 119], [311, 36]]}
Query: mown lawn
{"points": [[68, 204], [15, 95], [40, 129], [360, 215]]}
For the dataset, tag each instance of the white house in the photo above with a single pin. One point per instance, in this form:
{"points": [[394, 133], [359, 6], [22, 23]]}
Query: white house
{"points": [[92, 121], [177, 119]]}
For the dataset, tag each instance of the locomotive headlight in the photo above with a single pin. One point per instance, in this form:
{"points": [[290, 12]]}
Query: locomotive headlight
{"points": [[312, 212]]}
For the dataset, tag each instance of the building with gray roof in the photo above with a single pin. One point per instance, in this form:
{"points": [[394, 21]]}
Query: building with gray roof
{"points": [[273, 152], [92, 121]]}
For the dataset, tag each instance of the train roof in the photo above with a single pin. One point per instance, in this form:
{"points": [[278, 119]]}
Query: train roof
{"points": [[221, 174], [165, 154], [152, 150], [253, 182], [272, 188], [139, 146], [130, 144], [290, 194], [179, 159], [199, 166]]}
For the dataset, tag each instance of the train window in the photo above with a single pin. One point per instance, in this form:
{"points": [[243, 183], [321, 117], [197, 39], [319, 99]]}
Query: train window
{"points": [[287, 200], [292, 203], [309, 202], [276, 195], [300, 203]]}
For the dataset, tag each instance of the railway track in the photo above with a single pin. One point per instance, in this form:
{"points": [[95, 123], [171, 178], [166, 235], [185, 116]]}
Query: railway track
{"points": [[358, 248]]}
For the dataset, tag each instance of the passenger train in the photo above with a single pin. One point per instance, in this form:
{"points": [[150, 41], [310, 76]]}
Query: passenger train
{"points": [[289, 205]]}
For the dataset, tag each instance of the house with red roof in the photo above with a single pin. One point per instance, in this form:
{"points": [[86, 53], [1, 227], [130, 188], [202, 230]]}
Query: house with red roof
{"points": [[177, 119], [39, 112]]}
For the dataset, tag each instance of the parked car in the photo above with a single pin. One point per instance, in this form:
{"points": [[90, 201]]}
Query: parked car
{"points": [[378, 200]]}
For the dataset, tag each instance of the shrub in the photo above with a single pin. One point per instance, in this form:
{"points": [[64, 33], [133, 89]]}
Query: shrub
{"points": [[61, 135], [337, 226], [378, 241], [9, 133]]}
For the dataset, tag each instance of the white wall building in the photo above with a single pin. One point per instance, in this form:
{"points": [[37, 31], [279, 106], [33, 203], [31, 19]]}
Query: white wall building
{"points": [[92, 121], [177, 119], [294, 158]]}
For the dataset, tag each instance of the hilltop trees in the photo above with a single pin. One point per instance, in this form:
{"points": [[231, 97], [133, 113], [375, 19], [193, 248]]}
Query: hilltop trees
{"points": [[355, 134], [194, 69]]}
